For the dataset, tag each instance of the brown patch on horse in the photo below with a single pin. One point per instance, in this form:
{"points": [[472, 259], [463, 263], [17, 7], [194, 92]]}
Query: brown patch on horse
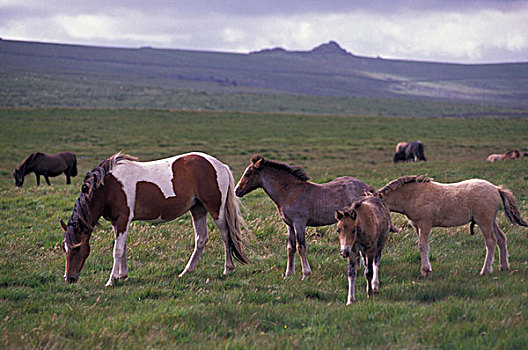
{"points": [[295, 170], [400, 182], [194, 169]]}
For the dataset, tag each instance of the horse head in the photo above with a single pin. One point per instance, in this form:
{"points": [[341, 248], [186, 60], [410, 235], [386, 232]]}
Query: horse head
{"points": [[18, 176], [76, 246], [251, 179], [347, 229]]}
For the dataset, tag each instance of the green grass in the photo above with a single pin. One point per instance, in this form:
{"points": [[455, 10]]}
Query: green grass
{"points": [[255, 307]]}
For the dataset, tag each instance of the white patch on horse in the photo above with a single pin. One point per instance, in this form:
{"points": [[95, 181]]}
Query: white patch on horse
{"points": [[159, 172]]}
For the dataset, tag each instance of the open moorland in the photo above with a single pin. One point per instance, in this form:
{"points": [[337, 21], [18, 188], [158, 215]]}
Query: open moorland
{"points": [[255, 307]]}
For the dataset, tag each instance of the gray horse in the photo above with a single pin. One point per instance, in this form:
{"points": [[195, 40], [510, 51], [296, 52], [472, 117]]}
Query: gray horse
{"points": [[300, 202]]}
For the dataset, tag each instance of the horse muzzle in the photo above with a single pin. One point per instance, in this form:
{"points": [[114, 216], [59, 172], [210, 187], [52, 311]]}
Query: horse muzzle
{"points": [[71, 279], [345, 251]]}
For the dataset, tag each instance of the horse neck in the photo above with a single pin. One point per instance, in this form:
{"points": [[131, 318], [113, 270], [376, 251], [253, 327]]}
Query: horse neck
{"points": [[276, 182], [96, 205], [398, 199]]}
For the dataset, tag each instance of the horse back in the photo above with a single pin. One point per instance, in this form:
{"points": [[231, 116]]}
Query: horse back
{"points": [[374, 223], [165, 189]]}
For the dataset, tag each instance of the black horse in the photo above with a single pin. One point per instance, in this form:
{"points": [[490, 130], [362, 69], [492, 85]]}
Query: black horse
{"points": [[412, 151], [48, 166]]}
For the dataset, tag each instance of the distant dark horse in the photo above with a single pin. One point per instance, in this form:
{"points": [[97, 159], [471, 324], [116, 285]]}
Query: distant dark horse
{"points": [[413, 151], [48, 166]]}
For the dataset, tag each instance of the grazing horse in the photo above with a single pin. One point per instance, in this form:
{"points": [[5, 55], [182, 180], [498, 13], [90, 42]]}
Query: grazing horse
{"points": [[513, 154], [430, 204], [300, 202], [363, 227], [413, 151], [121, 190], [48, 166]]}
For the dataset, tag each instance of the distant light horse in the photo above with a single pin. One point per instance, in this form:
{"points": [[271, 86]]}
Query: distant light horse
{"points": [[122, 190], [300, 202], [47, 166], [430, 204]]}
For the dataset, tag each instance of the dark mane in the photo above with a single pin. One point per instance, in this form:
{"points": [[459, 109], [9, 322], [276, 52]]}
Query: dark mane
{"points": [[295, 170], [26, 160], [92, 181], [400, 182]]}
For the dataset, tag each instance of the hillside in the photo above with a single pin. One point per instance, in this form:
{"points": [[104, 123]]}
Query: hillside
{"points": [[52, 75]]}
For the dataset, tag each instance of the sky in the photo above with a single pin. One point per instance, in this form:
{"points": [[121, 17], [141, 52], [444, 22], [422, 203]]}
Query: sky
{"points": [[457, 31]]}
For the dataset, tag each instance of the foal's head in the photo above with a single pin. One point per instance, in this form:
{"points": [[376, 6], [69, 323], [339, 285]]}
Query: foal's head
{"points": [[347, 223], [251, 179]]}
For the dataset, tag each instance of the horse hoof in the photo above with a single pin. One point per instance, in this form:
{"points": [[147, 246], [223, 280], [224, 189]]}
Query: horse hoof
{"points": [[122, 278], [426, 273], [228, 271], [109, 284]]}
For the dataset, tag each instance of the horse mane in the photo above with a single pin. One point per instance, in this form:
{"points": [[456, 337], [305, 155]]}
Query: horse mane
{"points": [[26, 160], [401, 182], [295, 170], [93, 180], [357, 203]]}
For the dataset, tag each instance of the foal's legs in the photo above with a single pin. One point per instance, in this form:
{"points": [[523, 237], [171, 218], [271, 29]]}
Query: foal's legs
{"points": [[290, 266], [352, 275], [301, 248], [423, 231], [375, 277], [201, 236], [486, 226], [503, 247], [368, 275], [224, 232]]}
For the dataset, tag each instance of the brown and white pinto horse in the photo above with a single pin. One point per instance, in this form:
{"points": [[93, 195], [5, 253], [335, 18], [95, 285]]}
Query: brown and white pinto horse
{"points": [[300, 202], [121, 190]]}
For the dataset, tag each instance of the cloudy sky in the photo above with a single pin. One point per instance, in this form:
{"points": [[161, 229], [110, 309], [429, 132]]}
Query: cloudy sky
{"points": [[467, 31]]}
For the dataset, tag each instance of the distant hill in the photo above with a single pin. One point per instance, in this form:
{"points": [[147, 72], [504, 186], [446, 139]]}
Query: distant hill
{"points": [[42, 74]]}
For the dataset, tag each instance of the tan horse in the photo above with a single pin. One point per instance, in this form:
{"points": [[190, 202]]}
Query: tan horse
{"points": [[430, 204], [513, 154], [363, 227]]}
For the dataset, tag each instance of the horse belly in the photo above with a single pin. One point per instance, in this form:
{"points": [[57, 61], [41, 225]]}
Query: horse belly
{"points": [[152, 205]]}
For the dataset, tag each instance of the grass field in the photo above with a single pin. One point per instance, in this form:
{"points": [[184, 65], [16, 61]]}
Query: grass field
{"points": [[255, 307]]}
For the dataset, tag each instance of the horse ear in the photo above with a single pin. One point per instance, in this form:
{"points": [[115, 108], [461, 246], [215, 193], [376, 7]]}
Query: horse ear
{"points": [[63, 225], [259, 163], [339, 214], [353, 215]]}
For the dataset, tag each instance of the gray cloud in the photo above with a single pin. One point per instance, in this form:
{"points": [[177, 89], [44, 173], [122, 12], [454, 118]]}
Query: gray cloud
{"points": [[439, 30]]}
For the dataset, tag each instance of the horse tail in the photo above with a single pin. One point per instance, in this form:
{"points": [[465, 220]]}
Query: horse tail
{"points": [[73, 171], [510, 207], [234, 222]]}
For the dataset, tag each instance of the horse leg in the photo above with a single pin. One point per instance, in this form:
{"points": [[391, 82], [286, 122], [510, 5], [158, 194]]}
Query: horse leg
{"points": [[503, 246], [491, 243], [201, 236], [38, 179], [224, 232], [369, 274], [290, 266], [119, 255], [352, 275], [68, 179], [423, 246], [47, 180], [375, 277], [301, 248]]}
